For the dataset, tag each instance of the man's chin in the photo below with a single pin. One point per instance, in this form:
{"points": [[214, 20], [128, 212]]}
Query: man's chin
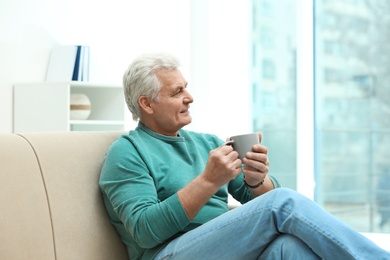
{"points": [[187, 121]]}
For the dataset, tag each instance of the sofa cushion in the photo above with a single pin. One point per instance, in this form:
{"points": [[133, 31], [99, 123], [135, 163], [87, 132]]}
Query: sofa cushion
{"points": [[25, 227], [70, 164]]}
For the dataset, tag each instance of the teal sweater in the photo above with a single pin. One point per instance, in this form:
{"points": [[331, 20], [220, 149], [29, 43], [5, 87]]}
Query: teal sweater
{"points": [[140, 177]]}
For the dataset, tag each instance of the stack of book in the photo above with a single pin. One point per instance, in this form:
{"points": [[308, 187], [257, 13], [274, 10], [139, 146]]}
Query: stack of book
{"points": [[68, 63]]}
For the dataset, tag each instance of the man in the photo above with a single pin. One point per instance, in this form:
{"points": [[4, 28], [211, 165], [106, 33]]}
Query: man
{"points": [[166, 188]]}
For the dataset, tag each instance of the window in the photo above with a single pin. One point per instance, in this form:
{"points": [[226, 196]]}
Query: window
{"points": [[353, 176], [267, 37], [351, 104], [268, 69], [274, 90]]}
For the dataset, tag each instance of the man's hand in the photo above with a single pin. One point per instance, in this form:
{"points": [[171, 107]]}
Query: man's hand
{"points": [[256, 167], [256, 164], [222, 166]]}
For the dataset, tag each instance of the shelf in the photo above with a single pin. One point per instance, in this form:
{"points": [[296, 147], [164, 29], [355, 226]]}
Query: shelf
{"points": [[96, 122], [46, 107]]}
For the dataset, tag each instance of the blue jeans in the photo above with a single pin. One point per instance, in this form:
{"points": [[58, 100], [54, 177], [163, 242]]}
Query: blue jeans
{"points": [[281, 224]]}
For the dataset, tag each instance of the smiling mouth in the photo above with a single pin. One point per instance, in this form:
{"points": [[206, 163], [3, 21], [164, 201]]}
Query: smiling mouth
{"points": [[185, 111]]}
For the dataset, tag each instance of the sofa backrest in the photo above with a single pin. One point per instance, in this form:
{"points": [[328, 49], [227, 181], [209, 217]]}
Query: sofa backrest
{"points": [[25, 226], [51, 204]]}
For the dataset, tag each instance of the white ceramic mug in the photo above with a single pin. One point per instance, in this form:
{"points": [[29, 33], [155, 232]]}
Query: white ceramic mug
{"points": [[244, 143]]}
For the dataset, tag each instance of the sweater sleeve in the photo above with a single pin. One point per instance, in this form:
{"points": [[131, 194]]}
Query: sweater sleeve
{"points": [[131, 193], [241, 193]]}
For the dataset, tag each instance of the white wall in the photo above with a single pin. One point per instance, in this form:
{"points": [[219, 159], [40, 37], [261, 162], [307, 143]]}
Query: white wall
{"points": [[210, 38]]}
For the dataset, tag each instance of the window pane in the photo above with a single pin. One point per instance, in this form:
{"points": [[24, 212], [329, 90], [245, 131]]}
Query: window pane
{"points": [[274, 83], [352, 74]]}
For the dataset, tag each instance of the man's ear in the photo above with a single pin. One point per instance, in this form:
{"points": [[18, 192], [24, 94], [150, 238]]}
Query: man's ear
{"points": [[145, 104]]}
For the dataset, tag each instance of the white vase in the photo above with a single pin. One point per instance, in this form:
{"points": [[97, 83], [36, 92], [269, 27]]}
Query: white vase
{"points": [[80, 107]]}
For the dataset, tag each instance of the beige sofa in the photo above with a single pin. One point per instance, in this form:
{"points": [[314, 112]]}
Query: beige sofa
{"points": [[50, 203]]}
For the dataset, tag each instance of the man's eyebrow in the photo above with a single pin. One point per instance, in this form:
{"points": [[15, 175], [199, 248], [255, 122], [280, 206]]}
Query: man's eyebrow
{"points": [[181, 86]]}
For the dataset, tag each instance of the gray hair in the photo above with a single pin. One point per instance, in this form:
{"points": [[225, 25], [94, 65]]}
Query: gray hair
{"points": [[140, 79]]}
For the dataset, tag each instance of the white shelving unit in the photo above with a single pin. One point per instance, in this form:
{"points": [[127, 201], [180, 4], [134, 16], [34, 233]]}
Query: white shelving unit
{"points": [[46, 107]]}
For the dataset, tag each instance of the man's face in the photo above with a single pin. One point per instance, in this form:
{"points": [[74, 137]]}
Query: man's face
{"points": [[171, 112]]}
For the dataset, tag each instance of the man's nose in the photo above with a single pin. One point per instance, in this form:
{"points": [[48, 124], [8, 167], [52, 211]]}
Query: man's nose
{"points": [[187, 97]]}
